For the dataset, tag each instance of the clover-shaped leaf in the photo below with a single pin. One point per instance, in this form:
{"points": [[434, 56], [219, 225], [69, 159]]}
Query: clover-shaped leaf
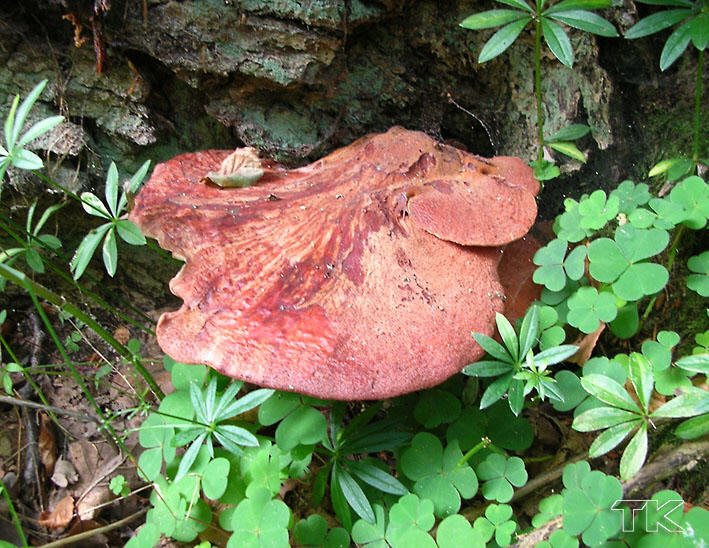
{"points": [[496, 522], [259, 521], [177, 508], [262, 466], [410, 519], [588, 506], [668, 378], [693, 195], [214, 478], [499, 474], [549, 508], [156, 437], [371, 534], [455, 531], [619, 261], [567, 226], [588, 307], [631, 195], [559, 539], [300, 423], [437, 474], [313, 532], [699, 279], [555, 266], [596, 210], [436, 407]]}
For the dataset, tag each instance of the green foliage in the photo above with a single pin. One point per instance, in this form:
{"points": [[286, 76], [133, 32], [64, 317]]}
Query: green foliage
{"points": [[621, 415], [496, 523], [119, 486], [314, 531], [14, 153], [573, 13], [691, 18], [518, 370], [699, 279], [499, 474], [118, 226], [438, 473], [35, 244], [547, 24], [589, 498]]}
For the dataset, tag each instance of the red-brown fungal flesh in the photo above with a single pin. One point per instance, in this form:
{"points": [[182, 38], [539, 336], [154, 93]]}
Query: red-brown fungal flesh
{"points": [[359, 276]]}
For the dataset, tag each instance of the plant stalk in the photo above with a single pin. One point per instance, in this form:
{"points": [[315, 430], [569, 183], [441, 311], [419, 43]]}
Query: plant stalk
{"points": [[538, 83], [697, 137], [33, 288]]}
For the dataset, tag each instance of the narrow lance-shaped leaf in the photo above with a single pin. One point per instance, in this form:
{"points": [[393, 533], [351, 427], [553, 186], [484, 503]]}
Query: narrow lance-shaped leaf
{"points": [[634, 454], [492, 347], [40, 128], [502, 40], [566, 5], [586, 21], [675, 46], [508, 335], [599, 418], [609, 391], [190, 456], [110, 252], [640, 371], [558, 42], [355, 496], [519, 4], [9, 123], [86, 250], [129, 232], [487, 369], [609, 439], [25, 108], [656, 22], [555, 354], [377, 478], [137, 178], [45, 217], [529, 331], [248, 402], [694, 401], [569, 133], [491, 18], [27, 160], [94, 206], [112, 189]]}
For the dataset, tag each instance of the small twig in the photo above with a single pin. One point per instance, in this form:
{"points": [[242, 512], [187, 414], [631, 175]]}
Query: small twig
{"points": [[477, 118], [100, 530], [57, 410]]}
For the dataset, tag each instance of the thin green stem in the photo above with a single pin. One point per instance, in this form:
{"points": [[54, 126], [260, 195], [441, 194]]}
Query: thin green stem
{"points": [[482, 444], [697, 137], [538, 84], [28, 377], [13, 515], [60, 272], [33, 288]]}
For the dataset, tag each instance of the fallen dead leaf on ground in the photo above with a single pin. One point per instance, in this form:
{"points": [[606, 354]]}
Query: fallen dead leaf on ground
{"points": [[61, 516]]}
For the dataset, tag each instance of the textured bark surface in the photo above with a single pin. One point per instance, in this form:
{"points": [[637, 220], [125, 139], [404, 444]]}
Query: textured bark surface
{"points": [[293, 79], [348, 278]]}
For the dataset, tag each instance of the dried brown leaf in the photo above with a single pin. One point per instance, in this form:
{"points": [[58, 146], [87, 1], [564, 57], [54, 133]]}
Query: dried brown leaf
{"points": [[61, 516]]}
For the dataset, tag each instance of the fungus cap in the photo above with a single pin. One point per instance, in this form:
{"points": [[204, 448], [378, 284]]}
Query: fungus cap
{"points": [[359, 276]]}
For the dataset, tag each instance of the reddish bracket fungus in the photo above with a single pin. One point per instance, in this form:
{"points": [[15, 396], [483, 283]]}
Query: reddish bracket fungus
{"points": [[359, 276]]}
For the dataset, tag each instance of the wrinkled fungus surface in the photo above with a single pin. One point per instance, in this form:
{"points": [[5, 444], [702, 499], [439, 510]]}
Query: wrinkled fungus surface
{"points": [[359, 276]]}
